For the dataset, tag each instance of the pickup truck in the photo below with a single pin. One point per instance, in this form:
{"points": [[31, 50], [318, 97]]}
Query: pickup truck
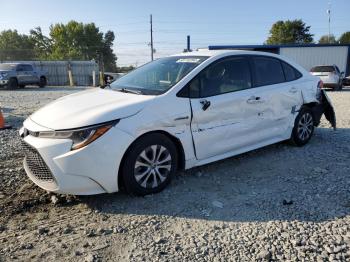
{"points": [[18, 75]]}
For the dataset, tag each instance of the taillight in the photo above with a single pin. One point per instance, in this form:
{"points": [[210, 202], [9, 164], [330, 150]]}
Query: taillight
{"points": [[319, 91]]}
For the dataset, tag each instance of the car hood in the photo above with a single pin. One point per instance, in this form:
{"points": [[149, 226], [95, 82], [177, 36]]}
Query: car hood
{"points": [[88, 108]]}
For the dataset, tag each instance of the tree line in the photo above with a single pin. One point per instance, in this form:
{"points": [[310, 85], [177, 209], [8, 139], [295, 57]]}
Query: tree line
{"points": [[297, 32], [71, 41]]}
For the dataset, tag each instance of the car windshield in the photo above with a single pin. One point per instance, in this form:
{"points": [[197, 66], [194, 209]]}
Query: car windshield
{"points": [[7, 66], [158, 76], [322, 69]]}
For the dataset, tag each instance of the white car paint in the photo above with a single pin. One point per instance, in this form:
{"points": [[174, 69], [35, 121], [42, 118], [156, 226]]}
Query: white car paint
{"points": [[234, 123]]}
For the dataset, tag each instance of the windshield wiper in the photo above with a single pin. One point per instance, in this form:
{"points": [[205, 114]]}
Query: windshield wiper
{"points": [[126, 90]]}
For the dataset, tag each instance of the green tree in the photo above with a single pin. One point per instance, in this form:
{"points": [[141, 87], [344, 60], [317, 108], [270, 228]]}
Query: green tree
{"points": [[324, 40], [71, 41], [42, 44], [78, 41], [15, 46], [109, 58], [345, 38], [289, 32]]}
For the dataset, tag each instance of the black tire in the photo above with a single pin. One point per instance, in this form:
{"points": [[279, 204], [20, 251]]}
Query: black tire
{"points": [[340, 87], [12, 84], [22, 86], [42, 82], [303, 127], [140, 176]]}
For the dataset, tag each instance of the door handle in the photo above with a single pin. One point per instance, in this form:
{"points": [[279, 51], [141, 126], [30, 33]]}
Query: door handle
{"points": [[254, 100], [205, 104], [181, 118], [293, 90]]}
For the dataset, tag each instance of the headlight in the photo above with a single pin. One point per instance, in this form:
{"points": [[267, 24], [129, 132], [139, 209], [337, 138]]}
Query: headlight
{"points": [[2, 75], [81, 136]]}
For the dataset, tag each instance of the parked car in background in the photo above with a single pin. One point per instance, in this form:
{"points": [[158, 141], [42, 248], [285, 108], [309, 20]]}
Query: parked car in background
{"points": [[18, 75], [110, 77], [330, 76], [174, 113]]}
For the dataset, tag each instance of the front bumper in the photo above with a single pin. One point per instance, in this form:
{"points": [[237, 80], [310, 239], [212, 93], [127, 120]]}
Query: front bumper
{"points": [[3, 82], [324, 107], [86, 171]]}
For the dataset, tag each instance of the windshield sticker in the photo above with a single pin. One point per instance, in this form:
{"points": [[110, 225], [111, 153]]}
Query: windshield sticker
{"points": [[188, 60]]}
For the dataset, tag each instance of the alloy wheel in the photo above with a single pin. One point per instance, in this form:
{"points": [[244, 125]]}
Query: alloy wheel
{"points": [[152, 166], [305, 126]]}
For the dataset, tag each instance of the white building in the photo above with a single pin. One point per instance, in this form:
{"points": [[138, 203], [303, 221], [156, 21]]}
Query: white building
{"points": [[307, 55]]}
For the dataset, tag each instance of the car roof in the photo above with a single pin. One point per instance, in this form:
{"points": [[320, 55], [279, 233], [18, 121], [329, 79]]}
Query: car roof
{"points": [[216, 54], [213, 53]]}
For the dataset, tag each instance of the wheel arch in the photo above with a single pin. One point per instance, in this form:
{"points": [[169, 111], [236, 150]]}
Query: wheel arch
{"points": [[316, 113], [14, 77], [179, 149]]}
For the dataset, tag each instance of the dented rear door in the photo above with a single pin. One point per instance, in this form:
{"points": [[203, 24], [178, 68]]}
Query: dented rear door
{"points": [[231, 122]]}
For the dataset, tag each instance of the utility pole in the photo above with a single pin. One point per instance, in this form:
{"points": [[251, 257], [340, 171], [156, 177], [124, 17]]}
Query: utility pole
{"points": [[189, 43], [329, 21], [151, 38]]}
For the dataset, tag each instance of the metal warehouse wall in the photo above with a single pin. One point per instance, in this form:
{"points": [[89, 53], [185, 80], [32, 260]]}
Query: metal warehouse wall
{"points": [[309, 57], [57, 71]]}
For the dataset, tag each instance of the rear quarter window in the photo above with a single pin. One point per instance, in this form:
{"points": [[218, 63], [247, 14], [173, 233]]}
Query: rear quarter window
{"points": [[290, 72]]}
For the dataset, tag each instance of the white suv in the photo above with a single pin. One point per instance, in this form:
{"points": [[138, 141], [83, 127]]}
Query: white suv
{"points": [[174, 113], [330, 76]]}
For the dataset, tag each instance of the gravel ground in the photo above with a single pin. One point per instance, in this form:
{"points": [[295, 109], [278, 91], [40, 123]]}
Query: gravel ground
{"points": [[278, 203]]}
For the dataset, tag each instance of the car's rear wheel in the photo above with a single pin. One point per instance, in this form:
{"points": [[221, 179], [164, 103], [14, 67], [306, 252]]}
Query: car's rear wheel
{"points": [[303, 127], [12, 84], [42, 82], [22, 86], [149, 164]]}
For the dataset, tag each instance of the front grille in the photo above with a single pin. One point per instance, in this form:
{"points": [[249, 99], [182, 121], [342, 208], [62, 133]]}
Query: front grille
{"points": [[36, 164]]}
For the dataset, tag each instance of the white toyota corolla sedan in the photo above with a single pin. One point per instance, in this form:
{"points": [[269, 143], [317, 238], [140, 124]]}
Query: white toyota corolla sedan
{"points": [[174, 113]]}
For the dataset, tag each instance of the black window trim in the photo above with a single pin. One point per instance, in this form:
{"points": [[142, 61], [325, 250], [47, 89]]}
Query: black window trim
{"points": [[249, 57]]}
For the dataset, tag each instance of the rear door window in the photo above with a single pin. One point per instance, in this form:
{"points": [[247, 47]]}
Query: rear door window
{"points": [[268, 71]]}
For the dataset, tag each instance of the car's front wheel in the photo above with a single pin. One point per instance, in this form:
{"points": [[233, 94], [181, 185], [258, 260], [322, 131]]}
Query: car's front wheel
{"points": [[149, 164], [303, 127], [12, 84], [42, 82]]}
